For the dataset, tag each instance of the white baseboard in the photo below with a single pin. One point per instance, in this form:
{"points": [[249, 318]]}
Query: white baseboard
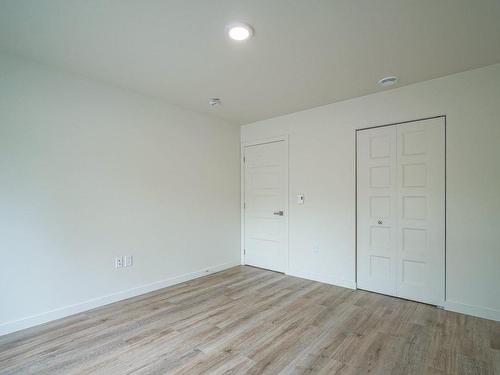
{"points": [[327, 279], [17, 325], [61, 312], [479, 311]]}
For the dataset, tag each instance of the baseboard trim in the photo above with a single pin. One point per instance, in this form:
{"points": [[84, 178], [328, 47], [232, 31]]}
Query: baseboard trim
{"points": [[48, 316], [62, 312], [479, 311], [327, 279]]}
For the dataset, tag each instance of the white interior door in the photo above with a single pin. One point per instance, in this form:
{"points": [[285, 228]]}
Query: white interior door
{"points": [[377, 210], [402, 209], [266, 197]]}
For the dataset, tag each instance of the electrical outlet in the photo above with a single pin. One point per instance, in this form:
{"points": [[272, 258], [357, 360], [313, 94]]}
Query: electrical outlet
{"points": [[118, 262], [316, 249], [128, 261]]}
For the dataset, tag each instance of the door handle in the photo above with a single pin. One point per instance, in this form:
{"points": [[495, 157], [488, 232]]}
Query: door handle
{"points": [[278, 213]]}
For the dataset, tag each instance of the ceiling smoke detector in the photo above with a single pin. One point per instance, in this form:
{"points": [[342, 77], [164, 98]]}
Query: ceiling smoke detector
{"points": [[214, 102], [387, 81]]}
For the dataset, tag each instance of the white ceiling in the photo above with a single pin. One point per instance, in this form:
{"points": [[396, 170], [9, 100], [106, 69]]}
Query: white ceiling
{"points": [[305, 53]]}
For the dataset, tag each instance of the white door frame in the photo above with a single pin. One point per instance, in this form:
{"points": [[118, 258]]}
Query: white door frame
{"points": [[255, 142], [356, 190]]}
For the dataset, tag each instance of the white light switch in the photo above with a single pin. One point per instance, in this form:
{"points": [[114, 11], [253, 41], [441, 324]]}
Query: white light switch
{"points": [[128, 261], [300, 198]]}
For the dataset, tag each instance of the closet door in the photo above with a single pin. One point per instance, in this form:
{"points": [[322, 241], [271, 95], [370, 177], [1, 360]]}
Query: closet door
{"points": [[377, 210], [421, 221], [401, 210]]}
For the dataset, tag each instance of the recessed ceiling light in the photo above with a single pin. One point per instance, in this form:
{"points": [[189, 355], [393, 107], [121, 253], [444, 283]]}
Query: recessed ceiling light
{"points": [[214, 102], [388, 81], [239, 31]]}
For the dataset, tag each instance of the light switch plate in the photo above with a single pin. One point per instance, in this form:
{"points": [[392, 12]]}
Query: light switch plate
{"points": [[300, 198], [128, 261]]}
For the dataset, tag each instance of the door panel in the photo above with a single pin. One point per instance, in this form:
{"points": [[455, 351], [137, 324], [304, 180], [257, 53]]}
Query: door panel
{"points": [[265, 197], [421, 189], [376, 210], [401, 211]]}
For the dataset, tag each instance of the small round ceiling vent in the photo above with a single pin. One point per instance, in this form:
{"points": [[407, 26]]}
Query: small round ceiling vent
{"points": [[388, 81], [214, 102]]}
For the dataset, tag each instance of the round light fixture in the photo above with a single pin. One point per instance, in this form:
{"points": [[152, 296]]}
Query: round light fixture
{"points": [[388, 81], [239, 31]]}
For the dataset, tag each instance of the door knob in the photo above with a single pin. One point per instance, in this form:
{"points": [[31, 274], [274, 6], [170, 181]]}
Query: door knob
{"points": [[279, 213], [380, 221]]}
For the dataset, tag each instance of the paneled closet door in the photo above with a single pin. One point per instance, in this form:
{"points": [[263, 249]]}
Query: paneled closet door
{"points": [[401, 210], [377, 210], [421, 221]]}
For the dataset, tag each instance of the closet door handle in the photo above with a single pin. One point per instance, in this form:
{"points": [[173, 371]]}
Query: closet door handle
{"points": [[278, 213]]}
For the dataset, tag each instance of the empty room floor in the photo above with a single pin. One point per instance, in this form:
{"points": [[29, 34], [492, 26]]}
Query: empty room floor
{"points": [[251, 321]]}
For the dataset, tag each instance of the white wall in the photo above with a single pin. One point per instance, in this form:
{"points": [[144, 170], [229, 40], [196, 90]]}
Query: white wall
{"points": [[322, 167], [89, 172]]}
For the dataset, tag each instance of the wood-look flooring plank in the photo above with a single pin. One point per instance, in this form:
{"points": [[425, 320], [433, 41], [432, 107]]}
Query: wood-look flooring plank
{"points": [[247, 320]]}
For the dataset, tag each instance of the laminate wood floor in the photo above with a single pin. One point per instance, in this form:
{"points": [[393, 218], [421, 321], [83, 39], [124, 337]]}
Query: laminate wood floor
{"points": [[251, 321]]}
